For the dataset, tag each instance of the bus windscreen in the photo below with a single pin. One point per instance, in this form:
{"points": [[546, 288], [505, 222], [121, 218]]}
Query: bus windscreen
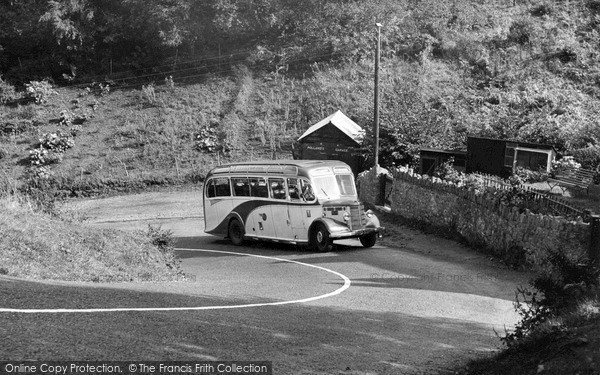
{"points": [[334, 186]]}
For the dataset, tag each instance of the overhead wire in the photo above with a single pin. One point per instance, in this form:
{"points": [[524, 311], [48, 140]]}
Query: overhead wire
{"points": [[131, 71], [172, 72], [164, 74]]}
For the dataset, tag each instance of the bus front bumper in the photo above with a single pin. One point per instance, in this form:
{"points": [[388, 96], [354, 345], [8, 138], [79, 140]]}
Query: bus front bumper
{"points": [[337, 235]]}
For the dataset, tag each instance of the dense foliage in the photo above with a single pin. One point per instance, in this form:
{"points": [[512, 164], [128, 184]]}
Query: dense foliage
{"points": [[528, 70]]}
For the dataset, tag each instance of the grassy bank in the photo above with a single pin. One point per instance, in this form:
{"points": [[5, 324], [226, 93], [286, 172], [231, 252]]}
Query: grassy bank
{"points": [[568, 348], [38, 246]]}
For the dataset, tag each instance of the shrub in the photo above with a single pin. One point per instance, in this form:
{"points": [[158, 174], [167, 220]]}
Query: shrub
{"points": [[566, 163], [149, 93], [169, 82], [163, 239], [40, 91], [212, 139], [207, 139], [100, 89], [542, 10], [7, 92], [447, 171], [527, 175], [40, 189], [16, 126], [521, 32], [97, 89], [562, 283], [589, 157], [58, 141], [38, 156], [75, 129], [51, 148], [66, 117]]}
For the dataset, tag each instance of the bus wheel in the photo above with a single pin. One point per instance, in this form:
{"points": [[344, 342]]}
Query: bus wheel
{"points": [[368, 240], [320, 239], [236, 232]]}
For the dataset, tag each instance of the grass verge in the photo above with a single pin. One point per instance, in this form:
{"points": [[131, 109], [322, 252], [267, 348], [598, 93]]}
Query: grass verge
{"points": [[39, 246], [567, 348]]}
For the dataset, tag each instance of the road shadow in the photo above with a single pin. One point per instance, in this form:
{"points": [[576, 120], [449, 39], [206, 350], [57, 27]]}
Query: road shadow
{"points": [[186, 245], [379, 267], [298, 338]]}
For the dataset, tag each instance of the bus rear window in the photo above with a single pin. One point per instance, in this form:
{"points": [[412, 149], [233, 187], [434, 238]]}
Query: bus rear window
{"points": [[218, 187]]}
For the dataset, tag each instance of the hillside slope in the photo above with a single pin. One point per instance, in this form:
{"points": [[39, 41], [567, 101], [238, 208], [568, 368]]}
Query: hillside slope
{"points": [[522, 70]]}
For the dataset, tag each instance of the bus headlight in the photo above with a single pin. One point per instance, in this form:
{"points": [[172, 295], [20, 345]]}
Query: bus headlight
{"points": [[369, 214], [346, 216]]}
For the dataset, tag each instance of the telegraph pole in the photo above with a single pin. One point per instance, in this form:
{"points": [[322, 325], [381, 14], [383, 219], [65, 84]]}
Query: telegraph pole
{"points": [[376, 104]]}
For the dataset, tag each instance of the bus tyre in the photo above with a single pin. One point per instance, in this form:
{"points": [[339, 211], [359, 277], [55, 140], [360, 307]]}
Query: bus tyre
{"points": [[368, 240], [320, 239], [236, 232]]}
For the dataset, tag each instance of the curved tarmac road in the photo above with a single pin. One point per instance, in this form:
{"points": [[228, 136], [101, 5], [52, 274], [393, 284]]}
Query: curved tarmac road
{"points": [[425, 305]]}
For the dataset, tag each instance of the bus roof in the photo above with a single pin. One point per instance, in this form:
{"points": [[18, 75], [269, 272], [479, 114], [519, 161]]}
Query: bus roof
{"points": [[284, 166]]}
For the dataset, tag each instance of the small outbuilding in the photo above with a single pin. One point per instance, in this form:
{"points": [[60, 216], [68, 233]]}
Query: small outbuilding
{"points": [[336, 137], [431, 158], [501, 157]]}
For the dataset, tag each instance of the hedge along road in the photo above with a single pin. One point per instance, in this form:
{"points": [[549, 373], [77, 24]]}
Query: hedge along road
{"points": [[424, 305]]}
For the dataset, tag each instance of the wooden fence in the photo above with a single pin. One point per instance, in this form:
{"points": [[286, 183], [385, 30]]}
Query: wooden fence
{"points": [[551, 205], [555, 205]]}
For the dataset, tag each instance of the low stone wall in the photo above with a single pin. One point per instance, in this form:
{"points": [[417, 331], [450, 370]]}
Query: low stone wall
{"points": [[368, 186], [513, 236]]}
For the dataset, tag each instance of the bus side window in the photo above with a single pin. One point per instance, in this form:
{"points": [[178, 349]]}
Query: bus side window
{"points": [[277, 188], [222, 187], [258, 187], [308, 194], [293, 189], [241, 187]]}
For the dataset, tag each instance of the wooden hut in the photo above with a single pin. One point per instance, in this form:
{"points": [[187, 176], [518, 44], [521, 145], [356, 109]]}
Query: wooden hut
{"points": [[336, 137], [431, 158], [501, 157]]}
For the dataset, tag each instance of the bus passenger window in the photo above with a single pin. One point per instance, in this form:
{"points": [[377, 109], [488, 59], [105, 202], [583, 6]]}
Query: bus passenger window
{"points": [[241, 187], [293, 189], [258, 187], [307, 192], [222, 188], [277, 188]]}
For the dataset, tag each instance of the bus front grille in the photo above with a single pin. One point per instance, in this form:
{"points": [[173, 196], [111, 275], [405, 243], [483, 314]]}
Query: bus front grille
{"points": [[355, 217]]}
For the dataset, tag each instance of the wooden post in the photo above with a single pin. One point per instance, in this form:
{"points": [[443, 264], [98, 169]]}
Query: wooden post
{"points": [[376, 98], [382, 181], [594, 250]]}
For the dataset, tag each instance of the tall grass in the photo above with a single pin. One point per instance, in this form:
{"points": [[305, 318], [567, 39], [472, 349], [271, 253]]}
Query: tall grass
{"points": [[36, 245]]}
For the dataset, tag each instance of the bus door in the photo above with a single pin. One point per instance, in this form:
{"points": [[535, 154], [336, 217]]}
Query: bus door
{"points": [[302, 209], [281, 221], [260, 220]]}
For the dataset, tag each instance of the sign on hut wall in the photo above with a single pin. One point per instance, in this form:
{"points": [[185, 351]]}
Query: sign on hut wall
{"points": [[336, 137]]}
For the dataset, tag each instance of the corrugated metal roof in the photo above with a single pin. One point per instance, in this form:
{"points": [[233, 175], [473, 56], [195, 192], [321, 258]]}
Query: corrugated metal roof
{"points": [[340, 121]]}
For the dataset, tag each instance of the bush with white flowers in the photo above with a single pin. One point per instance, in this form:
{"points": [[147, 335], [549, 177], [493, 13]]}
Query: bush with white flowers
{"points": [[40, 91]]}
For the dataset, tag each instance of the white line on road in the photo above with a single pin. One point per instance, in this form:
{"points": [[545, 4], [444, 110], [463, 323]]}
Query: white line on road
{"points": [[127, 309]]}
